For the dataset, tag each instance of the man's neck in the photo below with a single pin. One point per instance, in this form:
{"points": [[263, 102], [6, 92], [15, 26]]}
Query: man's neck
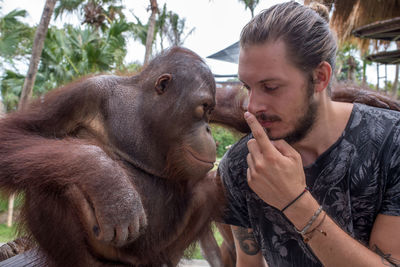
{"points": [[331, 121]]}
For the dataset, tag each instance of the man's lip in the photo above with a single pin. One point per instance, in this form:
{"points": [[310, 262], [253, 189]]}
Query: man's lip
{"points": [[267, 124]]}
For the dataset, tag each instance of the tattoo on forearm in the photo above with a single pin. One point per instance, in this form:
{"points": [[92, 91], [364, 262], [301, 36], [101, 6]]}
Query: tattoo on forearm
{"points": [[387, 259], [246, 241]]}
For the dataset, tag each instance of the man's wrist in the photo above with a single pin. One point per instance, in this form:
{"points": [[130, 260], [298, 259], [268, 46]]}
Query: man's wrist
{"points": [[300, 212]]}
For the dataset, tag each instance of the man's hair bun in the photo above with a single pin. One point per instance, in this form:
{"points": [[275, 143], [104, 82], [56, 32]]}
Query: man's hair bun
{"points": [[321, 9]]}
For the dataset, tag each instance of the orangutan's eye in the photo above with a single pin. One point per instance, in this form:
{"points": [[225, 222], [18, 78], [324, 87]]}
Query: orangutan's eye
{"points": [[199, 112]]}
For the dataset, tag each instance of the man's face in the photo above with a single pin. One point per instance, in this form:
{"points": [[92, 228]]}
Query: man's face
{"points": [[280, 95]]}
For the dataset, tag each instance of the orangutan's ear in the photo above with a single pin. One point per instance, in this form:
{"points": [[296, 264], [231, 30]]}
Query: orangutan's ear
{"points": [[162, 83], [322, 75]]}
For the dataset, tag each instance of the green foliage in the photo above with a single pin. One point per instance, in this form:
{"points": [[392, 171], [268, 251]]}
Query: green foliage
{"points": [[388, 86], [223, 138], [71, 52], [10, 85], [97, 13], [67, 6], [139, 30], [131, 68], [170, 26], [195, 252], [15, 36], [347, 66], [68, 54], [7, 233], [3, 205], [4, 202]]}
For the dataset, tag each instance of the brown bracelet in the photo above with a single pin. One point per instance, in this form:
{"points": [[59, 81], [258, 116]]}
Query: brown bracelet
{"points": [[307, 236], [294, 200]]}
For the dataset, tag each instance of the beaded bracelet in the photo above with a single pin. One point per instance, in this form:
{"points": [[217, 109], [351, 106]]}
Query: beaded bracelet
{"points": [[310, 222], [307, 236], [294, 200]]}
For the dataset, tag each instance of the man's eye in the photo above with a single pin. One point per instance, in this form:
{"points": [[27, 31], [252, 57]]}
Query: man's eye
{"points": [[268, 88]]}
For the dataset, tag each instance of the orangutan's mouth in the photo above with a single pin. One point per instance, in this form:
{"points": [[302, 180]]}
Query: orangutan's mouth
{"points": [[196, 157]]}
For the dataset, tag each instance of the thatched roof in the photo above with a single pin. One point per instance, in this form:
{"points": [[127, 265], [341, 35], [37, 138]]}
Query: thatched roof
{"points": [[386, 57], [348, 15], [388, 30]]}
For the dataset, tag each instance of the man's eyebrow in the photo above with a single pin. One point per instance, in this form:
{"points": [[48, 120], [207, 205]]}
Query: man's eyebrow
{"points": [[269, 80], [263, 81]]}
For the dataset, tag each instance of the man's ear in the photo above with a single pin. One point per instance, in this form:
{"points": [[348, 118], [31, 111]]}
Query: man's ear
{"points": [[162, 82], [322, 75]]}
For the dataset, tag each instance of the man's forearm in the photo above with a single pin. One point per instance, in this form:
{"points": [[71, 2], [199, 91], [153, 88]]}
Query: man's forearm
{"points": [[332, 245], [248, 251]]}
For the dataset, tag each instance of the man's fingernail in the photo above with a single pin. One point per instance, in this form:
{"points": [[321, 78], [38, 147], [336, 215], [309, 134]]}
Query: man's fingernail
{"points": [[247, 115]]}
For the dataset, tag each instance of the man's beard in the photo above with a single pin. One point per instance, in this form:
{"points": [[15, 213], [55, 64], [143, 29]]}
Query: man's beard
{"points": [[305, 123]]}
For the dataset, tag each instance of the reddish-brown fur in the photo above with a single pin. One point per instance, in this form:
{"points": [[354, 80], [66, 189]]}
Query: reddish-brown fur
{"points": [[113, 169]]}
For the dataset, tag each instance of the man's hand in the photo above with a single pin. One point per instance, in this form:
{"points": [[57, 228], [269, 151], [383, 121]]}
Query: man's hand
{"points": [[275, 170]]}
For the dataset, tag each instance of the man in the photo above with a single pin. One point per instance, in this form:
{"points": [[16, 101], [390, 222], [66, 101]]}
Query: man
{"points": [[318, 182]]}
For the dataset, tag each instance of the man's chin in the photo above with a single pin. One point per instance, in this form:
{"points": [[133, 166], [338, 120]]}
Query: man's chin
{"points": [[274, 136], [289, 138]]}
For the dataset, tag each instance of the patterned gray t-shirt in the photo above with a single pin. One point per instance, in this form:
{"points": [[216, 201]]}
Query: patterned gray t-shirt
{"points": [[356, 179]]}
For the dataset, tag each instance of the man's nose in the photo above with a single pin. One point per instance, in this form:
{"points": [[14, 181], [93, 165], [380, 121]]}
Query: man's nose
{"points": [[256, 102]]}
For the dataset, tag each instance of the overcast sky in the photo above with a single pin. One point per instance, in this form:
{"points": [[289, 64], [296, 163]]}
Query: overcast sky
{"points": [[218, 24]]}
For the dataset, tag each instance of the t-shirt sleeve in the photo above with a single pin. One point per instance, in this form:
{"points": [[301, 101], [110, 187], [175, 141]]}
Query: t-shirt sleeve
{"points": [[236, 212], [391, 198]]}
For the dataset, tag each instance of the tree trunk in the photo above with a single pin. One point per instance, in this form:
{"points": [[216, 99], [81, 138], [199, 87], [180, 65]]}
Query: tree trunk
{"points": [[26, 93], [37, 48], [364, 78], [396, 77], [395, 82], [150, 30], [2, 110]]}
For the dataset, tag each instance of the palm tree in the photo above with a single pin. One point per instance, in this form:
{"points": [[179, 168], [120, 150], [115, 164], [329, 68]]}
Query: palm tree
{"points": [[95, 12], [161, 25], [37, 48], [139, 30], [176, 29], [250, 4], [169, 25], [347, 67], [15, 36], [70, 53], [26, 93], [150, 30]]}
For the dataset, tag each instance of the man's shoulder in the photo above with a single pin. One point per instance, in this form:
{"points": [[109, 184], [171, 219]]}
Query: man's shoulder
{"points": [[372, 129], [372, 113], [375, 119]]}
